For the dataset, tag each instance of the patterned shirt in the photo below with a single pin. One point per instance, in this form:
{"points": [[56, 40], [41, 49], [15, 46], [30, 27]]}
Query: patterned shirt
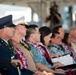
{"points": [[55, 49], [38, 54]]}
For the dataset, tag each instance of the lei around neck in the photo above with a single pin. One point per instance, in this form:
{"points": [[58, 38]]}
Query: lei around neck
{"points": [[26, 45], [9, 46]]}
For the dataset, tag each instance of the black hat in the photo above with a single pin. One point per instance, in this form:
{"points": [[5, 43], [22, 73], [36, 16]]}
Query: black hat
{"points": [[6, 22]]}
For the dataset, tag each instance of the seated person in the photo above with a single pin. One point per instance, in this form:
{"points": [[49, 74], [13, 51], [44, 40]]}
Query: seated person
{"points": [[72, 33], [67, 45]]}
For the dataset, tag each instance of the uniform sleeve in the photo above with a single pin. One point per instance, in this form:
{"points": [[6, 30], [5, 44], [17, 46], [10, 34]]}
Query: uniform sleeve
{"points": [[5, 52], [4, 62]]}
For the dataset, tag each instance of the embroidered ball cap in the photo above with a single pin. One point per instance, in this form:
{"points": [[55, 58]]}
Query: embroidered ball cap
{"points": [[6, 22], [22, 23]]}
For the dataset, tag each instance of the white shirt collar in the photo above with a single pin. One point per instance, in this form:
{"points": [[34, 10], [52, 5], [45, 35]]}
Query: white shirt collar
{"points": [[5, 40]]}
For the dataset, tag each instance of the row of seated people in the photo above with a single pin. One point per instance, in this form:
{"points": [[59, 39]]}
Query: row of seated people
{"points": [[62, 43], [45, 36], [35, 54], [22, 45], [25, 50], [13, 34]]}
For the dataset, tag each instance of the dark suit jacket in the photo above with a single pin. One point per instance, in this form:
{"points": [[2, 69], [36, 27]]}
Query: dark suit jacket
{"points": [[6, 68]]}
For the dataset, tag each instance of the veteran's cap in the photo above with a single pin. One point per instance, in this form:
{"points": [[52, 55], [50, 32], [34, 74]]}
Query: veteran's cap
{"points": [[6, 22]]}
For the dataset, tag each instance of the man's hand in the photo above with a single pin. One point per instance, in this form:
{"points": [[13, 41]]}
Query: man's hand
{"points": [[14, 61], [57, 64], [59, 71], [43, 73], [56, 55]]}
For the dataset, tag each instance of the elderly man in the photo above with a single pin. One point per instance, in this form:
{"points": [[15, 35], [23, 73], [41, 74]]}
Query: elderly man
{"points": [[6, 50], [73, 36]]}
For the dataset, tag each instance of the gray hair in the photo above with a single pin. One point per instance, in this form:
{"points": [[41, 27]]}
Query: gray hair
{"points": [[72, 28]]}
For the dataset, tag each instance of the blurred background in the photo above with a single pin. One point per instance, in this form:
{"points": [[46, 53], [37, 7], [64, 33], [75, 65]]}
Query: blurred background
{"points": [[36, 11]]}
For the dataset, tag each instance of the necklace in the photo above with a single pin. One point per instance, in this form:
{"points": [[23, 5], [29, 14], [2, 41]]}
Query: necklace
{"points": [[26, 45], [7, 45]]}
